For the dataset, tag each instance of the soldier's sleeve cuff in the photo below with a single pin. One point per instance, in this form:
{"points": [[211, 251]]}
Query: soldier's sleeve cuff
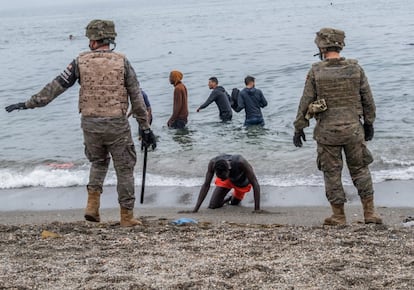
{"points": [[27, 105], [144, 126]]}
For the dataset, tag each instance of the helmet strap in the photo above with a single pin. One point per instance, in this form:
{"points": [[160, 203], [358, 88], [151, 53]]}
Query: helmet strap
{"points": [[320, 54], [114, 43]]}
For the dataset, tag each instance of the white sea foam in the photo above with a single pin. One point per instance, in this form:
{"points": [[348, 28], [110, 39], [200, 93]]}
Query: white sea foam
{"points": [[44, 177], [397, 162], [394, 174]]}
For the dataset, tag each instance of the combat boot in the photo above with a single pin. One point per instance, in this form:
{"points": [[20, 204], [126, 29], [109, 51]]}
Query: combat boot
{"points": [[370, 216], [127, 218], [92, 208], [338, 216]]}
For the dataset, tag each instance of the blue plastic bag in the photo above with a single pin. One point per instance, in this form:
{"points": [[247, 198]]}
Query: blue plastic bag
{"points": [[183, 221]]}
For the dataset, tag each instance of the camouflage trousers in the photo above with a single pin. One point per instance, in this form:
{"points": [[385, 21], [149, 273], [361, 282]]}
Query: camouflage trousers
{"points": [[330, 162], [99, 147]]}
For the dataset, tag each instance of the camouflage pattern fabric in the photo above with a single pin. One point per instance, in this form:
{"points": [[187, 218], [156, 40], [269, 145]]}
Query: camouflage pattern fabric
{"points": [[316, 107], [46, 95], [330, 37], [100, 29], [120, 146], [343, 85], [330, 162], [104, 136], [69, 77], [102, 93]]}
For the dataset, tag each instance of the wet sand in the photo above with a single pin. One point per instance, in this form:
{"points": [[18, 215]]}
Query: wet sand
{"points": [[387, 194], [228, 248], [294, 216]]}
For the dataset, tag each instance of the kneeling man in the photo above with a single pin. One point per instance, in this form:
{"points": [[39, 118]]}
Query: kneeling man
{"points": [[232, 172]]}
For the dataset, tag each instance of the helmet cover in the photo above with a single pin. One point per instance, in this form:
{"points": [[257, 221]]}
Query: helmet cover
{"points": [[100, 29], [330, 37]]}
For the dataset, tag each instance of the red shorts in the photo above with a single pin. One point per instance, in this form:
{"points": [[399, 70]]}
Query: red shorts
{"points": [[239, 192]]}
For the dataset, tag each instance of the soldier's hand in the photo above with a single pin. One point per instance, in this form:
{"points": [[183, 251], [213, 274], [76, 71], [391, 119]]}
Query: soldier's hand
{"points": [[297, 138], [369, 131], [148, 139], [18, 106]]}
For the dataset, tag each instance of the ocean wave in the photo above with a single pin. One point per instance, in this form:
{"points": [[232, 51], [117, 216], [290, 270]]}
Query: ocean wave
{"points": [[393, 174], [397, 162], [44, 176]]}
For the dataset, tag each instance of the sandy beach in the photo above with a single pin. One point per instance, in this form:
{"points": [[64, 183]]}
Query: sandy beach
{"points": [[228, 248]]}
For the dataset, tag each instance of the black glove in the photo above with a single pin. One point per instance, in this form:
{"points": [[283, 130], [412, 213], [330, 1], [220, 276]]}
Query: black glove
{"points": [[369, 131], [297, 138], [18, 106], [148, 139]]}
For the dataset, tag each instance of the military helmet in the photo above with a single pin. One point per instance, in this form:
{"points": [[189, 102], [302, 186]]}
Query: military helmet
{"points": [[330, 37], [100, 29]]}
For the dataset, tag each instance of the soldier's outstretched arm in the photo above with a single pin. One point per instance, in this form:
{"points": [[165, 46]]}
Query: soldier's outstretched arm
{"points": [[49, 92], [17, 106]]}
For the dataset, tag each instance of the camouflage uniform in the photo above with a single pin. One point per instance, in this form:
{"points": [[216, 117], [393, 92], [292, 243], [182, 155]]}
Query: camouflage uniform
{"points": [[108, 83], [343, 85]]}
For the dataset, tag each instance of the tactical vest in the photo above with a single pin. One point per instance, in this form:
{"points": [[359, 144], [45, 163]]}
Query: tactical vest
{"points": [[102, 92], [338, 81]]}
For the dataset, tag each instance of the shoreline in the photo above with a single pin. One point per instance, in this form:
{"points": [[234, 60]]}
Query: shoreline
{"points": [[299, 205], [394, 193], [228, 248], [309, 216]]}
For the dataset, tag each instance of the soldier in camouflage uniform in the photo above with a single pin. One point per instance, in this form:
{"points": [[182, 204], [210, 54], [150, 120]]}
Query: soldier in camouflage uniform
{"points": [[338, 95], [108, 83]]}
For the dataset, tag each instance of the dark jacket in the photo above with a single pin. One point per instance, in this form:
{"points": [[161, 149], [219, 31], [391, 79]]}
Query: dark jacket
{"points": [[220, 96], [251, 100]]}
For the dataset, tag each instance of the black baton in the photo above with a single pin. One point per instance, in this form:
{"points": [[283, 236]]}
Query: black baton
{"points": [[144, 171]]}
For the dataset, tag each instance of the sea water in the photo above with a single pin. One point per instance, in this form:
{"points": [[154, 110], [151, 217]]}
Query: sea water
{"points": [[271, 40]]}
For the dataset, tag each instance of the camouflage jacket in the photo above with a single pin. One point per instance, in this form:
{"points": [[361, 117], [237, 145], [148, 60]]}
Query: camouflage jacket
{"points": [[343, 85], [69, 77]]}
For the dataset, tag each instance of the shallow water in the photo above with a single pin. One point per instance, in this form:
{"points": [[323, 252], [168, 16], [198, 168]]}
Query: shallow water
{"points": [[271, 40]]}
